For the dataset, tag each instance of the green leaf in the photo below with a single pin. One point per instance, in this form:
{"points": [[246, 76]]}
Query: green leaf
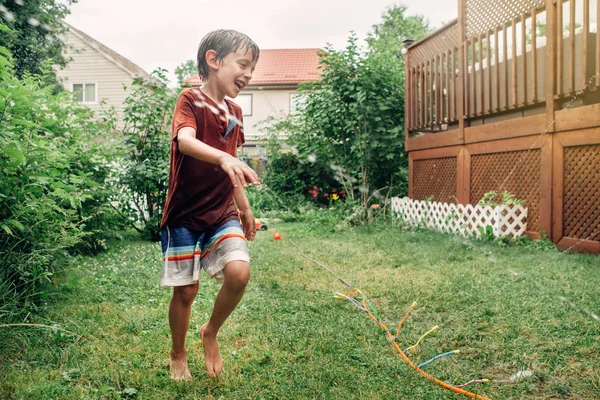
{"points": [[7, 229], [15, 154]]}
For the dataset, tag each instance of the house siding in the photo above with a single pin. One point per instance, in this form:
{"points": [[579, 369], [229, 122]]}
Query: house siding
{"points": [[265, 103], [89, 66]]}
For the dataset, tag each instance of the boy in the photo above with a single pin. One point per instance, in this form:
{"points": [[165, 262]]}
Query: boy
{"points": [[200, 224]]}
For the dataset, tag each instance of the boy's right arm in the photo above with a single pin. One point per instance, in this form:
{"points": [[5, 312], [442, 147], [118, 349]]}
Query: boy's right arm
{"points": [[238, 171]]}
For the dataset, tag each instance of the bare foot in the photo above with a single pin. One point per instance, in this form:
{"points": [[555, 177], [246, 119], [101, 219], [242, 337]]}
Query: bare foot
{"points": [[212, 355], [179, 367]]}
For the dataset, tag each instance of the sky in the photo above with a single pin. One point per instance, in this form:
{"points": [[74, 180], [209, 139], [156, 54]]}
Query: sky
{"points": [[166, 33]]}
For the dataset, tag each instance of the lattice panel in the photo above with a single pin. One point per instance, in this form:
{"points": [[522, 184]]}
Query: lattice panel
{"points": [[582, 192], [434, 46], [435, 177], [465, 220], [484, 15], [517, 172]]}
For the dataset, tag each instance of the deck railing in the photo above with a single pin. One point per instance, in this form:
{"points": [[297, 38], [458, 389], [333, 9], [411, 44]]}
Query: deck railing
{"points": [[494, 60]]}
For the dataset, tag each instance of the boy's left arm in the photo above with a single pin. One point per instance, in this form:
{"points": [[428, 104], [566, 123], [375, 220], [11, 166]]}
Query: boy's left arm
{"points": [[246, 215]]}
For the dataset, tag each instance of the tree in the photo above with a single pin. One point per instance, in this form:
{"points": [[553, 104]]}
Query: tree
{"points": [[395, 27], [186, 70], [33, 39]]}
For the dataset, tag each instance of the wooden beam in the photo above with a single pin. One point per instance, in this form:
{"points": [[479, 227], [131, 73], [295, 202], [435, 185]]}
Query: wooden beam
{"points": [[578, 245], [442, 139], [514, 144], [451, 151], [517, 127], [578, 118]]}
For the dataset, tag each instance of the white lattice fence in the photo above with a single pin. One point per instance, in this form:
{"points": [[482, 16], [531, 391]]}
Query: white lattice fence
{"points": [[466, 220]]}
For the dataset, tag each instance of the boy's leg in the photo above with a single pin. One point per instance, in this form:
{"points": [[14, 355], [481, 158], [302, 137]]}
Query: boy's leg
{"points": [[236, 277], [179, 320], [181, 270]]}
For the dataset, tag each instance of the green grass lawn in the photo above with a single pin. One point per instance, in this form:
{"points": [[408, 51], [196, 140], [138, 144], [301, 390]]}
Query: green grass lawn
{"points": [[503, 308]]}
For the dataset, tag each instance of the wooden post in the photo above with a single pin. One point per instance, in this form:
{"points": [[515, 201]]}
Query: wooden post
{"points": [[534, 98], [473, 91], [572, 47], [453, 85], [551, 164], [555, 26], [481, 77], [460, 95], [408, 99], [586, 32], [489, 70], [524, 57], [597, 70], [553, 59], [505, 62], [497, 68], [515, 76]]}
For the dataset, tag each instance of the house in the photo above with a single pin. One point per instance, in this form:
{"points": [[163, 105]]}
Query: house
{"points": [[507, 98], [95, 72], [272, 90]]}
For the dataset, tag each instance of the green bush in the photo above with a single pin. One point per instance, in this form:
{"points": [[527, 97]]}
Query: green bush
{"points": [[53, 198], [146, 135]]}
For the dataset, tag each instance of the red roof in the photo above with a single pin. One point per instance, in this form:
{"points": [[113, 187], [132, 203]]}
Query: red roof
{"points": [[281, 67]]}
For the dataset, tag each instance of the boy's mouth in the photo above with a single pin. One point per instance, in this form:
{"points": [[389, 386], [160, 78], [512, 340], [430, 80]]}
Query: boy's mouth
{"points": [[239, 84]]}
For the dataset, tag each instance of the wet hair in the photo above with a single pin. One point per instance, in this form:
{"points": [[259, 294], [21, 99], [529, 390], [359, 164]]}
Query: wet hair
{"points": [[223, 42]]}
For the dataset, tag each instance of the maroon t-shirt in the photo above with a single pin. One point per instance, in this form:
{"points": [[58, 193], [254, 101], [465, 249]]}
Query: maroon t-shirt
{"points": [[200, 194]]}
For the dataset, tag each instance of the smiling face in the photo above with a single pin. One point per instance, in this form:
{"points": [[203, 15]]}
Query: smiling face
{"points": [[231, 74]]}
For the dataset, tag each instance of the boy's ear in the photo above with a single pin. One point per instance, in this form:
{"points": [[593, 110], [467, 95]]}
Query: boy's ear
{"points": [[211, 59]]}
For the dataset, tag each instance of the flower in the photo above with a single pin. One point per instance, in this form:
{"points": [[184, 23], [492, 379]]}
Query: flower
{"points": [[374, 206], [326, 195], [335, 196]]}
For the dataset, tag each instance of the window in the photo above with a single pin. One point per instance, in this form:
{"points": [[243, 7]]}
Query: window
{"points": [[85, 92], [244, 101], [297, 102]]}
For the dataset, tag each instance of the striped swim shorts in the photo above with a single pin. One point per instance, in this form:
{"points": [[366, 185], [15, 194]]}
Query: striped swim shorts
{"points": [[186, 251]]}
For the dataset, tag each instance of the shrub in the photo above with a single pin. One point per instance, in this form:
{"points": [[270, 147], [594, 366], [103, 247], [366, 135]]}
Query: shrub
{"points": [[53, 198]]}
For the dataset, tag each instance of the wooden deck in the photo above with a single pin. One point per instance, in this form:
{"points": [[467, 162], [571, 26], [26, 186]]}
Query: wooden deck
{"points": [[501, 99]]}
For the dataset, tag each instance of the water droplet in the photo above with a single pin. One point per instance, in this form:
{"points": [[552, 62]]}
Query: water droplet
{"points": [[8, 15]]}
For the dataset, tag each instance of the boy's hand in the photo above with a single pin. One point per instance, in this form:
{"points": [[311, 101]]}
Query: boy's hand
{"points": [[239, 172], [248, 224]]}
